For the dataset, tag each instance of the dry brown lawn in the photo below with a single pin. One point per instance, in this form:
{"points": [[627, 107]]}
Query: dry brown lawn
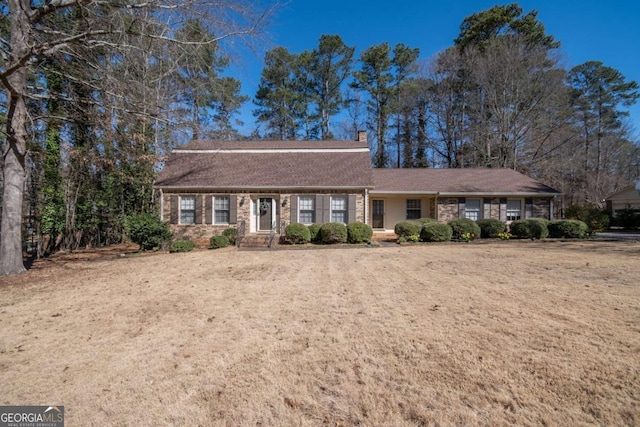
{"points": [[499, 333]]}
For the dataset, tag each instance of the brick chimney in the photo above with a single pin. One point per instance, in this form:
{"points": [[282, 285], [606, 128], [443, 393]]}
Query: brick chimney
{"points": [[362, 136]]}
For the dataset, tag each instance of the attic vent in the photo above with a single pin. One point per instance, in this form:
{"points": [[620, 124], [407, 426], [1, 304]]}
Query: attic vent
{"points": [[362, 136]]}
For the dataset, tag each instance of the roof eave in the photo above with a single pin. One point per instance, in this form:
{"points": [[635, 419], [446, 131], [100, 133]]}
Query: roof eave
{"points": [[260, 187]]}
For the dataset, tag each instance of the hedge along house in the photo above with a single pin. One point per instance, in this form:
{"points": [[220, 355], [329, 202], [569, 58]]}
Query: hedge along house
{"points": [[262, 186], [445, 194]]}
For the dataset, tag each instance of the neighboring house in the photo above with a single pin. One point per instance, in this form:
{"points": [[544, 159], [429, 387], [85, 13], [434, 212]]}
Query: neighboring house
{"points": [[628, 197], [262, 186]]}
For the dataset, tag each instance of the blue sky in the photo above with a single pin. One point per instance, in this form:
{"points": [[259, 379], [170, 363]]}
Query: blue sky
{"points": [[607, 31]]}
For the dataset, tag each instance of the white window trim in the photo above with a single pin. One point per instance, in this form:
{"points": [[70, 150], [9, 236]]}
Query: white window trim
{"points": [[479, 211], [313, 209], [213, 209], [520, 210], [419, 208], [180, 210], [345, 210]]}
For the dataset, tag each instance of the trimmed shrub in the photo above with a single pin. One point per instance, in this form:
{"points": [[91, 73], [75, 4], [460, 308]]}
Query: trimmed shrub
{"points": [[333, 232], [182, 246], [539, 228], [296, 234], [460, 226], [533, 228], [217, 242], [359, 232], [406, 229], [426, 220], [595, 218], [436, 232], [314, 232], [568, 228], [147, 230], [491, 227], [231, 234], [520, 229]]}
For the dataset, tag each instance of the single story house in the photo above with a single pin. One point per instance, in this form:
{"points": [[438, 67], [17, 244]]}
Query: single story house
{"points": [[262, 186], [628, 197]]}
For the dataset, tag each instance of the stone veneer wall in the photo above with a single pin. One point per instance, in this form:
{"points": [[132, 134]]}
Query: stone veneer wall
{"points": [[541, 208], [447, 209]]}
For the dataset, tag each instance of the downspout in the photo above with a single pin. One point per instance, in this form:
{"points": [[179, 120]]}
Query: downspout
{"points": [[366, 206], [436, 207], [161, 205]]}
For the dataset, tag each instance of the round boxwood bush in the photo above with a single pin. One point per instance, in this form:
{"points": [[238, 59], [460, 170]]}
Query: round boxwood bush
{"points": [[147, 230], [406, 229], [533, 228], [460, 226], [423, 221], [359, 232], [231, 234], [568, 228], [491, 227], [314, 230], [296, 234], [182, 246], [333, 232], [436, 232], [217, 242]]}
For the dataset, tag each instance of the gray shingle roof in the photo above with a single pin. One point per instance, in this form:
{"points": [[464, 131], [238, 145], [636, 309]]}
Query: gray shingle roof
{"points": [[456, 181], [268, 164], [323, 165]]}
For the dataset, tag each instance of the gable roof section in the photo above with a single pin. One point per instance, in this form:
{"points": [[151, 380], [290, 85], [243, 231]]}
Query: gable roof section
{"points": [[626, 193], [268, 164], [452, 182]]}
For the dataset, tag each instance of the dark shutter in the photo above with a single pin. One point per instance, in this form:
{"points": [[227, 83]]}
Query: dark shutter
{"points": [[318, 206], [486, 208], [351, 206], [198, 219], [461, 206], [233, 209], [175, 211], [503, 209], [294, 208], [528, 208], [326, 209], [208, 210]]}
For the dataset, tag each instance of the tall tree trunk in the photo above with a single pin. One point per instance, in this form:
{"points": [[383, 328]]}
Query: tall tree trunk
{"points": [[14, 156]]}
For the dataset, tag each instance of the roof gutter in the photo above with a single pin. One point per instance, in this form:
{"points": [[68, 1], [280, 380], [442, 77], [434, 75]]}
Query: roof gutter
{"points": [[260, 187]]}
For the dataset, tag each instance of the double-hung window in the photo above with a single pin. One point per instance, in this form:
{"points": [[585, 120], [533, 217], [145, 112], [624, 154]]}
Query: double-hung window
{"points": [[187, 209], [306, 209], [221, 210], [472, 209], [339, 209], [514, 209], [414, 210]]}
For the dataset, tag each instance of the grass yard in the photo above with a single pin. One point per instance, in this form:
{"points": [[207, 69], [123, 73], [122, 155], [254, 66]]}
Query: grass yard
{"points": [[498, 333]]}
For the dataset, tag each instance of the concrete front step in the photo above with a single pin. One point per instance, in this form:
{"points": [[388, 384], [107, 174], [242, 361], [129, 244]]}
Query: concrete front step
{"points": [[257, 241]]}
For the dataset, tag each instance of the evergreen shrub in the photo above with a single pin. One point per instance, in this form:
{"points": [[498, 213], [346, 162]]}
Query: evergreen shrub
{"points": [[436, 232], [491, 227], [333, 232], [359, 232], [296, 234], [217, 242]]}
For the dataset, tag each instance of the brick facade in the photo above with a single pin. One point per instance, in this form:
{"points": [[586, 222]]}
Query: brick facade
{"points": [[204, 230]]}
